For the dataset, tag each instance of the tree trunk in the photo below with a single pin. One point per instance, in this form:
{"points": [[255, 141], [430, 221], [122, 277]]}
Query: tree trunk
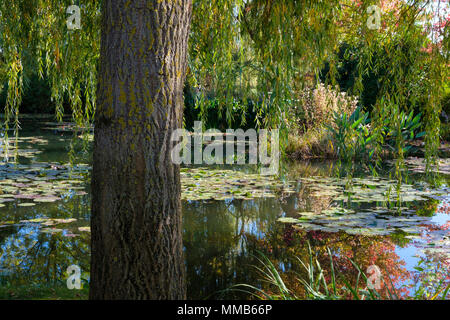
{"points": [[136, 226]]}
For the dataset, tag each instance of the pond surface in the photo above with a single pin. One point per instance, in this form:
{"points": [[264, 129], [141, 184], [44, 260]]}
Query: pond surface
{"points": [[230, 217]]}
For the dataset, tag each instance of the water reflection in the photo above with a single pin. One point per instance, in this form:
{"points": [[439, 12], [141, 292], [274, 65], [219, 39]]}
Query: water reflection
{"points": [[29, 256], [218, 241], [221, 241], [223, 238]]}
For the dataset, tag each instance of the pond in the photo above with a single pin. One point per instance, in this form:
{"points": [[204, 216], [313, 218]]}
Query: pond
{"points": [[231, 216]]}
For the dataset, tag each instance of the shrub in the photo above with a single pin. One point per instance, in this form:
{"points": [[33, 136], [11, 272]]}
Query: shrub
{"points": [[315, 112], [320, 103], [315, 143]]}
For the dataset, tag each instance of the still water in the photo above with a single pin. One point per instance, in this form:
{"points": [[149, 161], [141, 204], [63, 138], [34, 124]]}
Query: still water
{"points": [[44, 219]]}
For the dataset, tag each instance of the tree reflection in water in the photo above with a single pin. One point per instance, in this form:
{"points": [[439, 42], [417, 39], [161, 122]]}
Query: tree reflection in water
{"points": [[221, 240], [31, 257]]}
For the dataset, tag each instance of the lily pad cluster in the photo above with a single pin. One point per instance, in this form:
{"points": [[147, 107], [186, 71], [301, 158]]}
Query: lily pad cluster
{"points": [[68, 227], [208, 184], [371, 189], [435, 242], [29, 151], [40, 182], [66, 127], [418, 165], [369, 222]]}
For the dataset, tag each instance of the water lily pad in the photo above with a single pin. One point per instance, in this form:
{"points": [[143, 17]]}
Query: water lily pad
{"points": [[40, 182], [26, 204], [36, 220], [60, 221], [51, 230], [47, 199], [220, 184], [287, 220]]}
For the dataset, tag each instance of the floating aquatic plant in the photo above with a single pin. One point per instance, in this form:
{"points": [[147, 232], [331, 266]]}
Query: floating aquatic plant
{"points": [[207, 184], [374, 221], [39, 182]]}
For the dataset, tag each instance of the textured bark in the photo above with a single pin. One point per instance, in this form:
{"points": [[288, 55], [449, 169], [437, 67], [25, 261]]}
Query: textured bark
{"points": [[136, 226]]}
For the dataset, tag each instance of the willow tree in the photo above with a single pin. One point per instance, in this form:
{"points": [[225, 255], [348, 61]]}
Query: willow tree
{"points": [[126, 66], [136, 207]]}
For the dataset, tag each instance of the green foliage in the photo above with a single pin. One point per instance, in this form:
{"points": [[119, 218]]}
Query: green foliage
{"points": [[317, 287], [314, 143], [431, 281], [445, 131], [446, 101], [351, 135], [36, 96], [263, 51], [318, 105], [409, 125], [315, 284], [208, 110], [355, 137], [59, 292], [378, 79]]}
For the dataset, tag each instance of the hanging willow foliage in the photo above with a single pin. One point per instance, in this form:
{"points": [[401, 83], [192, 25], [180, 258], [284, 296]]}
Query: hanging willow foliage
{"points": [[263, 51], [34, 37]]}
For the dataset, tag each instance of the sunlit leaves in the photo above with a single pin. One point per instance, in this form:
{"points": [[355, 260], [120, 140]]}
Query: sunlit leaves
{"points": [[263, 51]]}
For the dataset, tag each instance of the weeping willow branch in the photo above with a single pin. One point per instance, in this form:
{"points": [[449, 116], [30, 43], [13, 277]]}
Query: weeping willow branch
{"points": [[257, 53]]}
